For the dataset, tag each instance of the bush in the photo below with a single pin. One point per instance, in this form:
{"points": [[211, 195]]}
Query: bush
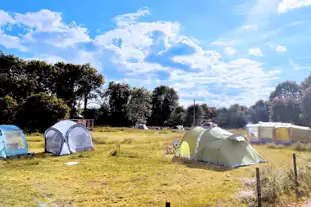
{"points": [[40, 111]]}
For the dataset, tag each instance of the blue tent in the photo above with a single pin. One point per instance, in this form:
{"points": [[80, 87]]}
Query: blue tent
{"points": [[12, 141]]}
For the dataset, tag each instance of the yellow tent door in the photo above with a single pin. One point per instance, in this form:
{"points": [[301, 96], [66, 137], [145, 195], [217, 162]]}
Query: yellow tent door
{"points": [[281, 134]]}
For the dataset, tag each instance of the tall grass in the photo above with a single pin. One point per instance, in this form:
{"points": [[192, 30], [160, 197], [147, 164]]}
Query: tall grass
{"points": [[277, 183], [301, 147]]}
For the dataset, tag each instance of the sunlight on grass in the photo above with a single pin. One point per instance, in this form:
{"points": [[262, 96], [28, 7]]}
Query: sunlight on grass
{"points": [[140, 173]]}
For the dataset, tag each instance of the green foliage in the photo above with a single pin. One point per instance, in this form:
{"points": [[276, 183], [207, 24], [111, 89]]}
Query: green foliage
{"points": [[118, 95], [198, 115], [306, 83], [237, 116], [139, 106], [8, 108], [40, 111], [305, 106], [285, 111], [259, 112], [222, 118], [164, 101], [285, 90], [71, 82], [177, 117]]}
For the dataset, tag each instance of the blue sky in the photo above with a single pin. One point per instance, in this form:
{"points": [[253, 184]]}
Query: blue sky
{"points": [[219, 52]]}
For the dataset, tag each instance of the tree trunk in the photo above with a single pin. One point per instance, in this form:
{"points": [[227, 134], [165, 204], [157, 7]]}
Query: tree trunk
{"points": [[85, 102]]}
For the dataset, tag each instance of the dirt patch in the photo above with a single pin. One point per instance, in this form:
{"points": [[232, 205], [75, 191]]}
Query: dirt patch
{"points": [[248, 181], [246, 193]]}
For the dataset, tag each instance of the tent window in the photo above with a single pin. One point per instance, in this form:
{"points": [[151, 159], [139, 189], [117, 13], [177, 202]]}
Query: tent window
{"points": [[79, 139], [53, 142], [14, 140]]}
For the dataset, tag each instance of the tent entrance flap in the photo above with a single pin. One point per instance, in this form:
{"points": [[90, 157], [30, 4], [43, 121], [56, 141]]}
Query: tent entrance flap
{"points": [[79, 139], [54, 141]]}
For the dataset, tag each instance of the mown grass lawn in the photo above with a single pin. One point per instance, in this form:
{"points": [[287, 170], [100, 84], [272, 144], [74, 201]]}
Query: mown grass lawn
{"points": [[140, 175]]}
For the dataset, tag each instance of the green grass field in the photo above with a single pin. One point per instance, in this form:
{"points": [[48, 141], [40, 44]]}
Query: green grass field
{"points": [[140, 175]]}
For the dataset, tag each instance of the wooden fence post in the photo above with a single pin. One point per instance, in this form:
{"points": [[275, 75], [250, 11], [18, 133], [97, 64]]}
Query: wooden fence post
{"points": [[167, 204], [258, 187], [295, 174]]}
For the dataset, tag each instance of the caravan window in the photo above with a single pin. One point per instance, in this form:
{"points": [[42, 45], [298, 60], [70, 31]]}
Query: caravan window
{"points": [[13, 140]]}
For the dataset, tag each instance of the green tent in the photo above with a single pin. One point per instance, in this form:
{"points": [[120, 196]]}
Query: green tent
{"points": [[217, 146]]}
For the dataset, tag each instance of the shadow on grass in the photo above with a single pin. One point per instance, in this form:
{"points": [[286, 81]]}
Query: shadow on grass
{"points": [[200, 165]]}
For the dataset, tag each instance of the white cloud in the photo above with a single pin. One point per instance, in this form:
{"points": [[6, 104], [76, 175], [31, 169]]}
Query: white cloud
{"points": [[255, 52], [230, 51], [131, 18], [128, 46], [286, 5], [5, 18], [278, 48], [296, 66], [281, 48], [11, 42], [224, 43], [51, 25]]}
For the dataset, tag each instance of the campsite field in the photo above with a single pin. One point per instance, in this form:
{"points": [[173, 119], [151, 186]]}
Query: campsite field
{"points": [[141, 174]]}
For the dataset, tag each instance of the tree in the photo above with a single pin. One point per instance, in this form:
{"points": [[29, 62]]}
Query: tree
{"points": [[177, 117], [213, 111], [139, 107], [285, 90], [7, 110], [164, 101], [259, 112], [118, 95], [305, 106], [89, 83], [237, 116], [39, 75], [198, 115], [285, 111], [103, 115], [71, 82], [13, 79], [207, 112], [40, 111], [222, 118], [306, 83]]}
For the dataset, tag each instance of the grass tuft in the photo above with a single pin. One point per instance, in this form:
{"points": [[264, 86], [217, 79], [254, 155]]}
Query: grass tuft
{"points": [[302, 147], [275, 146]]}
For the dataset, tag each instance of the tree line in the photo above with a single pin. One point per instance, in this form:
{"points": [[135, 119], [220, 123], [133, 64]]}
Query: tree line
{"points": [[34, 95]]}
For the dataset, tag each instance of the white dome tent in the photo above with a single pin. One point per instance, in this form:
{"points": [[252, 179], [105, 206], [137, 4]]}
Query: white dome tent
{"points": [[67, 137]]}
